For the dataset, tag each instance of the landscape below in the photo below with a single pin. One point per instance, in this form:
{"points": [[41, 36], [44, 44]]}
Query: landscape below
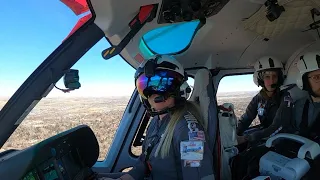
{"points": [[54, 115]]}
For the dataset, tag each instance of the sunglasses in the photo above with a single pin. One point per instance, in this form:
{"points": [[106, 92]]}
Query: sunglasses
{"points": [[315, 78]]}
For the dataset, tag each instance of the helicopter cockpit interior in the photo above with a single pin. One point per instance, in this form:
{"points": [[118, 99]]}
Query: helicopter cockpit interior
{"points": [[223, 37]]}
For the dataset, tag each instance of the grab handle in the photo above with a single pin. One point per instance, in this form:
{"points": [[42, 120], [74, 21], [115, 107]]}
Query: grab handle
{"points": [[308, 146]]}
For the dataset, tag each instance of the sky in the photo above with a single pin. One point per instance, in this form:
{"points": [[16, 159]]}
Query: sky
{"points": [[32, 29]]}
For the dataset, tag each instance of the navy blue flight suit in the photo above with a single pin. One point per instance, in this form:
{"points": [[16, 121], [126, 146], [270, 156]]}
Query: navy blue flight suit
{"points": [[171, 167], [301, 117], [263, 106]]}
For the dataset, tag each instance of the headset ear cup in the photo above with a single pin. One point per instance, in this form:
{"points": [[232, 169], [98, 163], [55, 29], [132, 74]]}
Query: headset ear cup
{"points": [[146, 103], [260, 82], [281, 78], [305, 82], [185, 76]]}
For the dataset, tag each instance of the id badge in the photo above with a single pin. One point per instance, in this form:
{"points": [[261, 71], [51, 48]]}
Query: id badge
{"points": [[191, 150], [261, 111], [196, 136], [192, 163]]}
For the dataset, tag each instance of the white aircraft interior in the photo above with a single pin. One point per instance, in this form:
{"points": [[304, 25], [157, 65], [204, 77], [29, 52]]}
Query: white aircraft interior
{"points": [[227, 38]]}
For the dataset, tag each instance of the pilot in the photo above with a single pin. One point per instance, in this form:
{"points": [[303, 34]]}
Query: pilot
{"points": [[269, 75], [301, 117], [175, 146]]}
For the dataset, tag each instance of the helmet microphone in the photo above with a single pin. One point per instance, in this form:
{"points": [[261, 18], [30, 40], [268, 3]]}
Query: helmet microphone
{"points": [[159, 99], [274, 86]]}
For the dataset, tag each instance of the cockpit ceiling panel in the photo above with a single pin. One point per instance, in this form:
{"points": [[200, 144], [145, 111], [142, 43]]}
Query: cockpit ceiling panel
{"points": [[297, 16]]}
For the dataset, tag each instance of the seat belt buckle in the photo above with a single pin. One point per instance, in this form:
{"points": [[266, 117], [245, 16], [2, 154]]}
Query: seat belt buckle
{"points": [[149, 166], [147, 170]]}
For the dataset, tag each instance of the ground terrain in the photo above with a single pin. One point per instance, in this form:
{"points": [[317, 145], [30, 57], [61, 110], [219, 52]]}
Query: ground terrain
{"points": [[54, 115]]}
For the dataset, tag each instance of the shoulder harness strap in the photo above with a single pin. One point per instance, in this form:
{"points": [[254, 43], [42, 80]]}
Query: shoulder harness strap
{"points": [[304, 120]]}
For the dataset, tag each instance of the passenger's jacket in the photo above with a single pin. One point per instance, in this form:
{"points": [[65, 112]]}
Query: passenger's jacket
{"points": [[300, 117], [172, 167], [263, 106]]}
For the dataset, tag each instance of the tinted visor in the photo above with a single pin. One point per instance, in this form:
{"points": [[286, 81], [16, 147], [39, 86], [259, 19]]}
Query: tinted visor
{"points": [[162, 82]]}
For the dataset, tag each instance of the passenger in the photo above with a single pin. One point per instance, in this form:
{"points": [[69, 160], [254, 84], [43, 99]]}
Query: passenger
{"points": [[269, 75], [175, 146], [301, 117]]}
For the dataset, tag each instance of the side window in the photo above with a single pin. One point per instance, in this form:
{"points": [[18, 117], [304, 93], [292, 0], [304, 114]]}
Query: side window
{"points": [[238, 90], [141, 133], [136, 150], [99, 103]]}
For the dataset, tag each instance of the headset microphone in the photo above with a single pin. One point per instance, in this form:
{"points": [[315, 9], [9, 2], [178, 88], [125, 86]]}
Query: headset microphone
{"points": [[274, 86], [159, 99]]}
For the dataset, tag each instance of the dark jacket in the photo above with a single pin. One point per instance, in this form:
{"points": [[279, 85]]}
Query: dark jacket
{"points": [[263, 106], [172, 167], [290, 118]]}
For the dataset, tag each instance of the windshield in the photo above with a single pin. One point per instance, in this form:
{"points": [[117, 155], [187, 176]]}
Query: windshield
{"points": [[34, 30], [169, 39]]}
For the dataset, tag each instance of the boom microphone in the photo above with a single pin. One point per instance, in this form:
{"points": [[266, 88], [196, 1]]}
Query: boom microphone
{"points": [[159, 99], [274, 86]]}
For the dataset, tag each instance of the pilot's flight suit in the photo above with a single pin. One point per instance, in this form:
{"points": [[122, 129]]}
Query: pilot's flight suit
{"points": [[171, 167], [263, 106], [301, 117]]}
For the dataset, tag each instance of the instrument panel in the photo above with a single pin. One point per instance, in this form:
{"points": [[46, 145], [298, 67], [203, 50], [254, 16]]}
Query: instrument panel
{"points": [[66, 156]]}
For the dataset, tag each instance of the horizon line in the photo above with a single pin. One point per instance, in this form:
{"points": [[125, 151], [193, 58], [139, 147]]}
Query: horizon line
{"points": [[109, 96]]}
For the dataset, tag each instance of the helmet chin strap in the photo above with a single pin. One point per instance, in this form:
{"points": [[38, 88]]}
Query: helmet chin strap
{"points": [[164, 111]]}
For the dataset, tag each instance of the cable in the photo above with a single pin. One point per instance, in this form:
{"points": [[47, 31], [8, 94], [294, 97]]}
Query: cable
{"points": [[63, 90]]}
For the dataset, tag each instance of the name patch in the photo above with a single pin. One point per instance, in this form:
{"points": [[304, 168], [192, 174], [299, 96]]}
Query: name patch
{"points": [[191, 150]]}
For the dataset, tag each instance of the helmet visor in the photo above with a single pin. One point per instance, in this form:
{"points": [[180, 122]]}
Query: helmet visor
{"points": [[162, 82]]}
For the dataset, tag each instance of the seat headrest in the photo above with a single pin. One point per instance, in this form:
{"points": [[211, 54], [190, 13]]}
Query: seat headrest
{"points": [[201, 82], [200, 95], [295, 92]]}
